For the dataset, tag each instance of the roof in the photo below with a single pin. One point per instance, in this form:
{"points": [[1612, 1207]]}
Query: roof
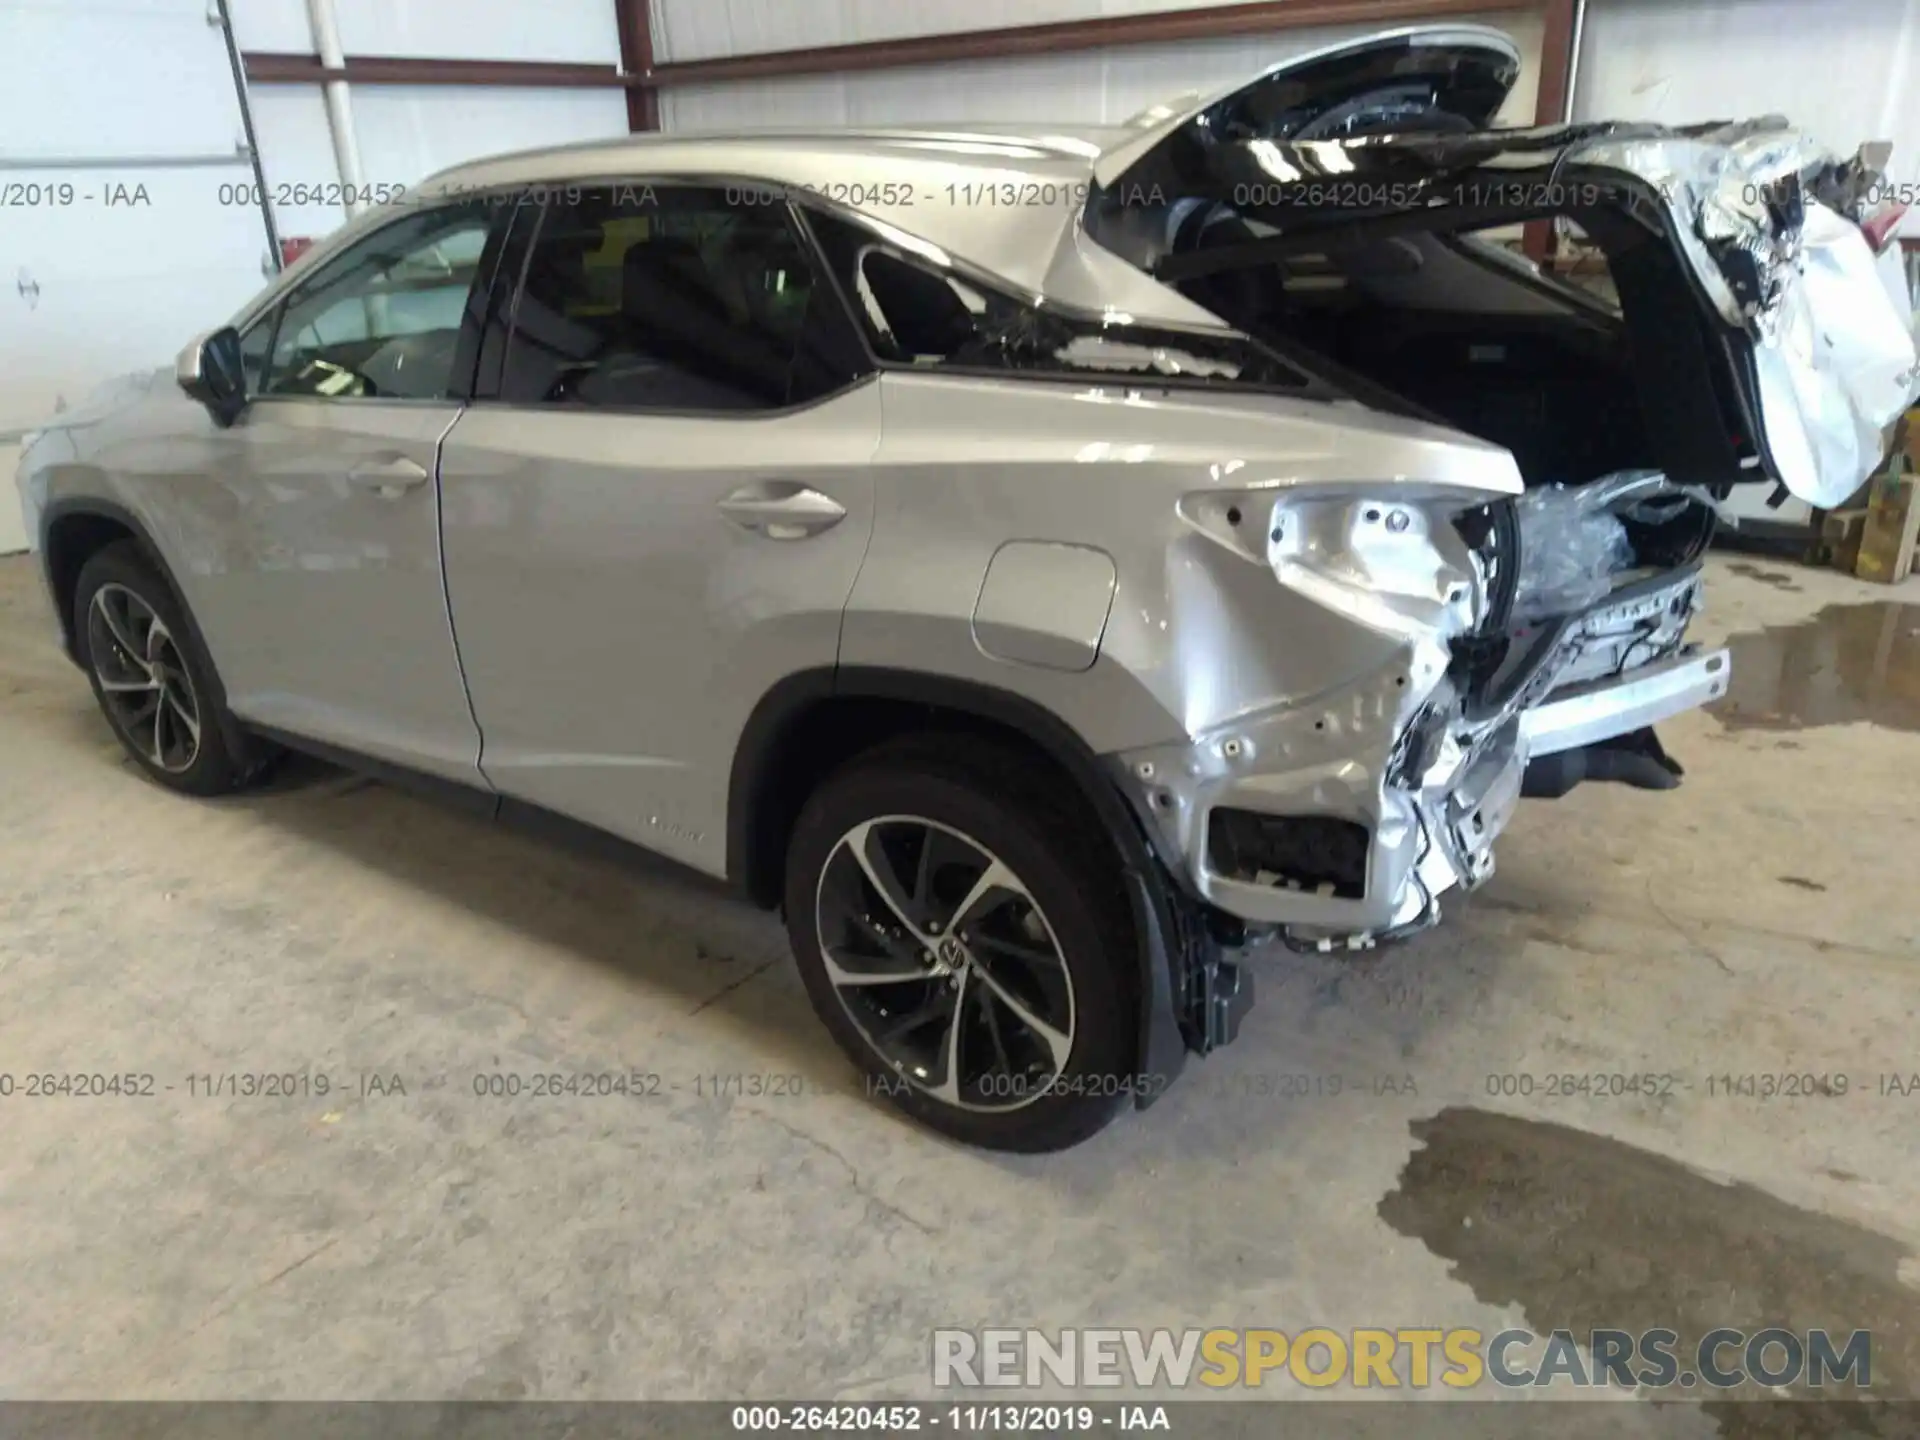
{"points": [[780, 146], [1008, 199]]}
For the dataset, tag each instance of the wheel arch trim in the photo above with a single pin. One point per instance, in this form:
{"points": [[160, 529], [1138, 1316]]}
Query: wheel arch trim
{"points": [[750, 792], [99, 508], [94, 507]]}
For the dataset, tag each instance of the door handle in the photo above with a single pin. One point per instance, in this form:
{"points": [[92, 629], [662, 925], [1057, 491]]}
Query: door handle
{"points": [[390, 477], [782, 510]]}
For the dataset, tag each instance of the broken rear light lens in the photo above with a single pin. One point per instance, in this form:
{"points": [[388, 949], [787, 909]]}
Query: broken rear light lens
{"points": [[1880, 226]]}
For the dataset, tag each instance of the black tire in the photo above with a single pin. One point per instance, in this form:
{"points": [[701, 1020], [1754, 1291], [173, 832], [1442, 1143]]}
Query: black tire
{"points": [[215, 759], [980, 794]]}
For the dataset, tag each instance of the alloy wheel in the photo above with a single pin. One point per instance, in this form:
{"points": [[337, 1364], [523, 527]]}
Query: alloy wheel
{"points": [[945, 962], [143, 678]]}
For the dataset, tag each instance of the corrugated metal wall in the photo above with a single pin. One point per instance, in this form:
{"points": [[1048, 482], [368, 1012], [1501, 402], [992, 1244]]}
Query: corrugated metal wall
{"points": [[406, 131], [1844, 69], [1092, 86], [699, 29]]}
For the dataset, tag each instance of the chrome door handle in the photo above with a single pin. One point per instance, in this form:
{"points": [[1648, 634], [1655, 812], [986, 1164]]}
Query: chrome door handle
{"points": [[782, 510], [391, 477]]}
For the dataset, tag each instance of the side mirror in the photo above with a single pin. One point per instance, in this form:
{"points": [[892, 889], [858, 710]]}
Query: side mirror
{"points": [[212, 371]]}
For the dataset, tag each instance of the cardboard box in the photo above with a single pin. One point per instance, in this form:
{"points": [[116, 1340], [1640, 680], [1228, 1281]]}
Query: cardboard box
{"points": [[1840, 532], [1892, 524]]}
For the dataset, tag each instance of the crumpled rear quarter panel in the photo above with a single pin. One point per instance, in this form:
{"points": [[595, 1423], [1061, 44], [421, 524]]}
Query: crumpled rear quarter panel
{"points": [[1198, 633]]}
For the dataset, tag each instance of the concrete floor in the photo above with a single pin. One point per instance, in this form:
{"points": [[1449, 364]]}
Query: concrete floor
{"points": [[1760, 920]]}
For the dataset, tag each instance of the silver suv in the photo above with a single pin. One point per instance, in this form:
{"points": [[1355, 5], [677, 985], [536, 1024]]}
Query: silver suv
{"points": [[1038, 561]]}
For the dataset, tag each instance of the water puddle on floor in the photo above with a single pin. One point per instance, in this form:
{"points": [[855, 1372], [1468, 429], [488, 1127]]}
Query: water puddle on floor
{"points": [[1846, 664], [1577, 1231]]}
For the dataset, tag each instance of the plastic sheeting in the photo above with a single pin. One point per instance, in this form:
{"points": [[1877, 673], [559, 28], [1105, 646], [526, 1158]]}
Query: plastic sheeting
{"points": [[1570, 547], [1573, 542]]}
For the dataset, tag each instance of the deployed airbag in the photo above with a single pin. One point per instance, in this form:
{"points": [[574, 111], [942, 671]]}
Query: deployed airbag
{"points": [[1836, 365]]}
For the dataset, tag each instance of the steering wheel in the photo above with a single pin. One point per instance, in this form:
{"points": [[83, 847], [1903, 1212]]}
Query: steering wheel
{"points": [[566, 384]]}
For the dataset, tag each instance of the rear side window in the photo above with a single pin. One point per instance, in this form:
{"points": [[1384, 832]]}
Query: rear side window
{"points": [[672, 298], [929, 316]]}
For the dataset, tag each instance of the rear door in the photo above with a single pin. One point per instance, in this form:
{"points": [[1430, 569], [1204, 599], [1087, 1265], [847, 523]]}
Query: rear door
{"points": [[656, 509]]}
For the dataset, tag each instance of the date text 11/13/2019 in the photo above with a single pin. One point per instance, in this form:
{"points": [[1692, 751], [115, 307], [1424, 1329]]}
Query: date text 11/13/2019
{"points": [[201, 1085], [971, 1419]]}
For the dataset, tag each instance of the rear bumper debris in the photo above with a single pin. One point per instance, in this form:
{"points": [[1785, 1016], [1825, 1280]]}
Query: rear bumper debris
{"points": [[1341, 824], [1587, 714]]}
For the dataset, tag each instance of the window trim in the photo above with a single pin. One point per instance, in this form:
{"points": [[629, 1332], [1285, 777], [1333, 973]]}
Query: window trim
{"points": [[721, 182], [516, 236], [459, 387], [271, 320]]}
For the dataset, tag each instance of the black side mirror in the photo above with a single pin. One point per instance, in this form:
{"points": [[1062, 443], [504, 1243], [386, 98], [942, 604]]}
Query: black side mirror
{"points": [[212, 371]]}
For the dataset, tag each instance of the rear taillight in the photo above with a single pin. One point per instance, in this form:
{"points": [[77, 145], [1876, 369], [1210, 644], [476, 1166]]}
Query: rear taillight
{"points": [[1880, 226]]}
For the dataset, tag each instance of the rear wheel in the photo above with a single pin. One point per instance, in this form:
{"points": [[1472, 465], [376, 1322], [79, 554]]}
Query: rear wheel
{"points": [[962, 934], [152, 680]]}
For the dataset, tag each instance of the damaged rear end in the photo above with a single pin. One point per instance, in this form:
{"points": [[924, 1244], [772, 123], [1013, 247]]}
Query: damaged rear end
{"points": [[1354, 212]]}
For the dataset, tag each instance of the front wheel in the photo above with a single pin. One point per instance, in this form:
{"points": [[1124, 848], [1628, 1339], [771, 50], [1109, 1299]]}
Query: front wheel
{"points": [[962, 933], [153, 681]]}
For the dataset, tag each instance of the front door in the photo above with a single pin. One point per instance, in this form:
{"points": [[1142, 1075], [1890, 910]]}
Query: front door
{"points": [[328, 612], [664, 510]]}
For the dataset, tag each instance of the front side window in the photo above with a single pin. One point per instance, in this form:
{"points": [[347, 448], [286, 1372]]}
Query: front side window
{"points": [[382, 319], [654, 297], [928, 316]]}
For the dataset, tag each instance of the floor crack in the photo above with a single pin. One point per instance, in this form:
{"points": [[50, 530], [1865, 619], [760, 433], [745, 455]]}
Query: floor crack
{"points": [[1685, 934], [733, 985], [266, 1284], [853, 1174]]}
